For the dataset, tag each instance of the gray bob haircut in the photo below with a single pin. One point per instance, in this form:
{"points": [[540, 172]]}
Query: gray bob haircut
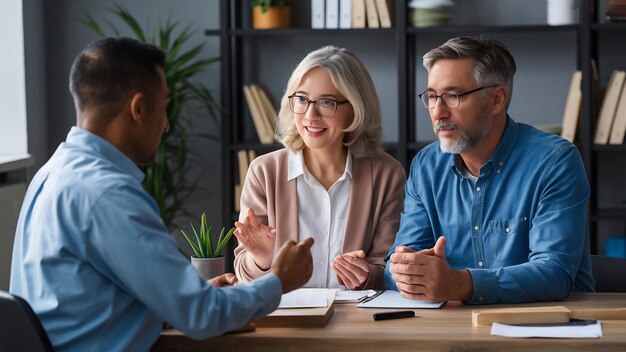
{"points": [[353, 81], [494, 63]]}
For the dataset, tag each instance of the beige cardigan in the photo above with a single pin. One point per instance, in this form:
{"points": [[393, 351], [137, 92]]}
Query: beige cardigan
{"points": [[376, 200]]}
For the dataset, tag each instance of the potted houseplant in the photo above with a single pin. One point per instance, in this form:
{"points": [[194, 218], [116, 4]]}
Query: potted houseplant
{"points": [[207, 258], [267, 14], [167, 179]]}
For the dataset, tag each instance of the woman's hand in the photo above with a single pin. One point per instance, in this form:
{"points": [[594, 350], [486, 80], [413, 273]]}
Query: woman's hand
{"points": [[351, 269], [257, 239]]}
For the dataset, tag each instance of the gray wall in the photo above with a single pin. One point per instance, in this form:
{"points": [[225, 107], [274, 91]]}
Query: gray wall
{"points": [[65, 37]]}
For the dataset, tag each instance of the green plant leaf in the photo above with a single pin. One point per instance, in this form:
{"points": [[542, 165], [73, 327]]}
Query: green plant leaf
{"points": [[223, 242], [130, 21], [194, 247]]}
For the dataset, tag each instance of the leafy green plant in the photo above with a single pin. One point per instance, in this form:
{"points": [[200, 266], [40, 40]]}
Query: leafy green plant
{"points": [[167, 179], [202, 246], [266, 4]]}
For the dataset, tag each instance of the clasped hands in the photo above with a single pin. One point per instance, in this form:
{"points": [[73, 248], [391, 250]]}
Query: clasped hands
{"points": [[259, 240], [426, 276]]}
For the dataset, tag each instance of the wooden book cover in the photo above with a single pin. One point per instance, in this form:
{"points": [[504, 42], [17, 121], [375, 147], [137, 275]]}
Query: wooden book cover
{"points": [[242, 159], [358, 13], [384, 13], [300, 317], [371, 14], [530, 315], [237, 199], [251, 156], [609, 105], [572, 108], [266, 129], [619, 125], [270, 113], [255, 112]]}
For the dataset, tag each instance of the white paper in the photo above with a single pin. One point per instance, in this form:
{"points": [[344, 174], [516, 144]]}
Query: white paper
{"points": [[305, 298], [392, 299], [352, 296], [561, 331]]}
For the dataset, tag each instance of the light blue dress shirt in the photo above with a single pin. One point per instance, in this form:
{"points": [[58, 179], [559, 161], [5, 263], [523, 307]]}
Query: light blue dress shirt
{"points": [[97, 265], [520, 230]]}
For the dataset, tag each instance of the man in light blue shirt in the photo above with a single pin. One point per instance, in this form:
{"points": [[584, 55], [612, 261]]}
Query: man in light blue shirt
{"points": [[91, 254], [495, 211]]}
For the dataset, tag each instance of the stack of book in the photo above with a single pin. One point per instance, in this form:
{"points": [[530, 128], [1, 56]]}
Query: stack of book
{"points": [[351, 14], [616, 12], [611, 125], [262, 112]]}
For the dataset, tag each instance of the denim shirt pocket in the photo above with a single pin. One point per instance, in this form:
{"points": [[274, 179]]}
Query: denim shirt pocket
{"points": [[507, 242]]}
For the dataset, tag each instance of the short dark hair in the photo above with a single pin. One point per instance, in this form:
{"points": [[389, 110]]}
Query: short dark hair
{"points": [[107, 71]]}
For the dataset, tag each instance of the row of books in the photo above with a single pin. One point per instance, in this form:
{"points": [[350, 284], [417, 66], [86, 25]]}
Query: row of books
{"points": [[351, 14], [611, 125], [262, 112], [616, 12], [244, 158]]}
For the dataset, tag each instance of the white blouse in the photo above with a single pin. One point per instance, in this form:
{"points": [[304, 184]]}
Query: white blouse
{"points": [[322, 215]]}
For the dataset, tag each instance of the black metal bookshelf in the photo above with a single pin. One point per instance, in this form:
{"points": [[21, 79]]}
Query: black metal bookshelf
{"points": [[235, 29]]}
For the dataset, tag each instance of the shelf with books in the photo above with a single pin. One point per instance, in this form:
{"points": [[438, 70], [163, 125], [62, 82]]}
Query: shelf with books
{"points": [[472, 29], [309, 31]]}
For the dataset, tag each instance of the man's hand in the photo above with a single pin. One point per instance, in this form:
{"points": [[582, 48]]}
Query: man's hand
{"points": [[426, 275], [293, 264], [351, 269], [227, 279], [257, 239]]}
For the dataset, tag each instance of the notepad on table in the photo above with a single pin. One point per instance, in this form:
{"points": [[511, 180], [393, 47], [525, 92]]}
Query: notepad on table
{"points": [[304, 298], [392, 299], [292, 314], [575, 329]]}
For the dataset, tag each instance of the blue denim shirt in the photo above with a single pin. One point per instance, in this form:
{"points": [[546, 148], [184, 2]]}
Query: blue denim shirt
{"points": [[520, 231]]}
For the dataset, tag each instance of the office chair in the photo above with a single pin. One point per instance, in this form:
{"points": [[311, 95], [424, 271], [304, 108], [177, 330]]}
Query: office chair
{"points": [[20, 329], [609, 273]]}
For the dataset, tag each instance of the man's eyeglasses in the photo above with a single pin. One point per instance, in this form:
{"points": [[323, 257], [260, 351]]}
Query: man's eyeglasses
{"points": [[450, 100], [325, 107]]}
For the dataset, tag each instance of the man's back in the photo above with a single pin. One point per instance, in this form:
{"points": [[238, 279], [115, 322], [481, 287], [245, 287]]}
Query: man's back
{"points": [[97, 265], [65, 278]]}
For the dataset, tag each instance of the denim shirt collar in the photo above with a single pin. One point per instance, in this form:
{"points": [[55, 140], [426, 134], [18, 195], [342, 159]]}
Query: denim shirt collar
{"points": [[81, 136], [500, 156]]}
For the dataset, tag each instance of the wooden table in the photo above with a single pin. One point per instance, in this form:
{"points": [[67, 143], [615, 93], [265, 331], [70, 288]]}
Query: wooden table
{"points": [[447, 329]]}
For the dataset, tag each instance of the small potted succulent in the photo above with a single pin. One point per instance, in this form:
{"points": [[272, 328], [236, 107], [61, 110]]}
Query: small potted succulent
{"points": [[267, 14], [207, 259]]}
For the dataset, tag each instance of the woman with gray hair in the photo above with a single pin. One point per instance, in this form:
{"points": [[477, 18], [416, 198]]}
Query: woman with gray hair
{"points": [[332, 181]]}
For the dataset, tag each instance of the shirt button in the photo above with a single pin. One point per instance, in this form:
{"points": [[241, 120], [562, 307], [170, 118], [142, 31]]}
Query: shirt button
{"points": [[480, 299], [498, 171], [476, 228], [325, 232], [507, 230], [480, 264], [477, 189], [322, 262], [501, 163]]}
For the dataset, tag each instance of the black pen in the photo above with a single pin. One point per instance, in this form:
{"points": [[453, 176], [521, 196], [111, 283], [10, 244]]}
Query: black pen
{"points": [[394, 315]]}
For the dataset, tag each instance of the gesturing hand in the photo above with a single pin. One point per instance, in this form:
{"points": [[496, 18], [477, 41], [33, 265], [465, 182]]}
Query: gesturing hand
{"points": [[351, 269], [257, 239]]}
